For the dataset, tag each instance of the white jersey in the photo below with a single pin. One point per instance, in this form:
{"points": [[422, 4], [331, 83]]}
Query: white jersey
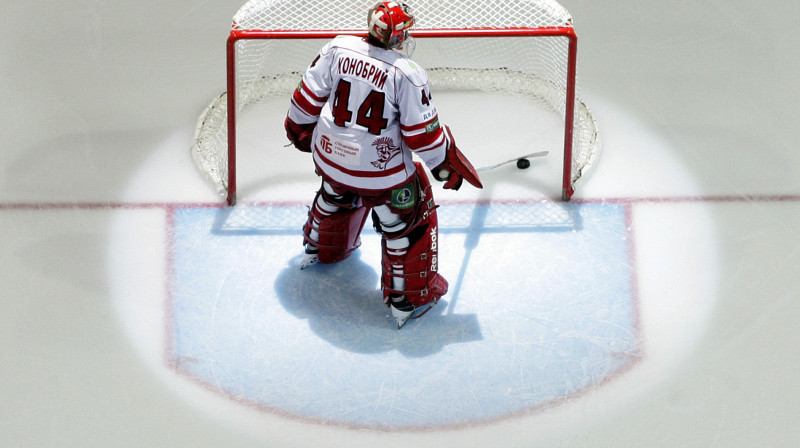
{"points": [[373, 109]]}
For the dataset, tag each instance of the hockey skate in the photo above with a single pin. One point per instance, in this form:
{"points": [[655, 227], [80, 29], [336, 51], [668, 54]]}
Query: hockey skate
{"points": [[403, 310], [310, 257]]}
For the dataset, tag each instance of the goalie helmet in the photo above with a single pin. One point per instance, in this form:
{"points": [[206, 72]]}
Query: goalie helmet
{"points": [[389, 23]]}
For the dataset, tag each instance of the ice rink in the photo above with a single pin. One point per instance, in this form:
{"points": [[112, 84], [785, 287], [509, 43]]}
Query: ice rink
{"points": [[658, 308]]}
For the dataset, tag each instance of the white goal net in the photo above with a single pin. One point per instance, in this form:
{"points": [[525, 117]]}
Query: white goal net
{"points": [[518, 47]]}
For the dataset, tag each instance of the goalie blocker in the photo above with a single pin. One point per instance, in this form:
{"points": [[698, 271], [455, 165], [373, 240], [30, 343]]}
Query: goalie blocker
{"points": [[456, 167]]}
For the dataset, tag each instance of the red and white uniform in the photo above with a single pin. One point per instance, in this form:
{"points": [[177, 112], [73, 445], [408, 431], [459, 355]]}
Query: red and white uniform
{"points": [[373, 109]]}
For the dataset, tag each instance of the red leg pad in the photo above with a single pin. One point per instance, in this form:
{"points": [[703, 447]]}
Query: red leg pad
{"points": [[338, 233], [423, 283]]}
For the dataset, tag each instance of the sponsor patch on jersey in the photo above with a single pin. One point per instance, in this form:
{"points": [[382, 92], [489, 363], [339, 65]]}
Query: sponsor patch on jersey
{"points": [[434, 125], [346, 153], [404, 197]]}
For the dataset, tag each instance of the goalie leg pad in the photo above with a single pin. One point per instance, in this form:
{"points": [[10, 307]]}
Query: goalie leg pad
{"points": [[334, 224], [412, 270], [410, 247]]}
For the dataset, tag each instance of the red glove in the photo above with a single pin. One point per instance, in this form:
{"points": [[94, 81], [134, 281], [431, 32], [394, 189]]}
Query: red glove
{"points": [[300, 134]]}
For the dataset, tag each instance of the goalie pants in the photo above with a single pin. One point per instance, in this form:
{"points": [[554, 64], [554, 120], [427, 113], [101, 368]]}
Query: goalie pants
{"points": [[406, 219]]}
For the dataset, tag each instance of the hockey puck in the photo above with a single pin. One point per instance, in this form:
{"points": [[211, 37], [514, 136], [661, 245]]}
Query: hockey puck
{"points": [[523, 163]]}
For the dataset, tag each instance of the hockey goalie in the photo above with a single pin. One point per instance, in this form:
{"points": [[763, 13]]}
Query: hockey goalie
{"points": [[362, 109]]}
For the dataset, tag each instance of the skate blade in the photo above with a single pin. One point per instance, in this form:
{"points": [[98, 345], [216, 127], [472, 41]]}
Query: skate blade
{"points": [[308, 261], [401, 317], [418, 312]]}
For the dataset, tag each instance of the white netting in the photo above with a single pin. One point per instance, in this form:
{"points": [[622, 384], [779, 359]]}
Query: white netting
{"points": [[429, 14], [265, 219], [533, 66]]}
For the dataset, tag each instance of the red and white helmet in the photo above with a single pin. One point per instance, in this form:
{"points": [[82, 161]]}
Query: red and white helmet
{"points": [[389, 23]]}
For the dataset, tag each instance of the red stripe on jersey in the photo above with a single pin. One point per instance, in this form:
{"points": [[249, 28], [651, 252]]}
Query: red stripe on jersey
{"points": [[416, 127], [429, 149], [302, 111], [312, 95], [418, 141], [349, 172], [306, 106]]}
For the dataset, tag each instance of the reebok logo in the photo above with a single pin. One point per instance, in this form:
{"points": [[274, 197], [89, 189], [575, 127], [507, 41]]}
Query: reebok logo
{"points": [[434, 249]]}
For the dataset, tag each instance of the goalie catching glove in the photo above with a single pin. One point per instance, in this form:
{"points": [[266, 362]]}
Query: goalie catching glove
{"points": [[299, 134], [455, 168]]}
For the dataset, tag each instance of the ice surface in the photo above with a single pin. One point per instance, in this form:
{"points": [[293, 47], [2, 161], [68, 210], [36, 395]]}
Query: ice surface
{"points": [[658, 309]]}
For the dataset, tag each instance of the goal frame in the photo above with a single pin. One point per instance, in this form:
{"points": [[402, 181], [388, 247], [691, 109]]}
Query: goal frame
{"points": [[237, 35]]}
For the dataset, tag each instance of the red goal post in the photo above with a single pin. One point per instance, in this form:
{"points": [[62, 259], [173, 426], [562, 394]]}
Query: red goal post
{"points": [[493, 53]]}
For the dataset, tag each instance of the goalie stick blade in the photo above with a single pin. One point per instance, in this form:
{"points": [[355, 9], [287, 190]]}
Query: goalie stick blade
{"points": [[506, 162]]}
